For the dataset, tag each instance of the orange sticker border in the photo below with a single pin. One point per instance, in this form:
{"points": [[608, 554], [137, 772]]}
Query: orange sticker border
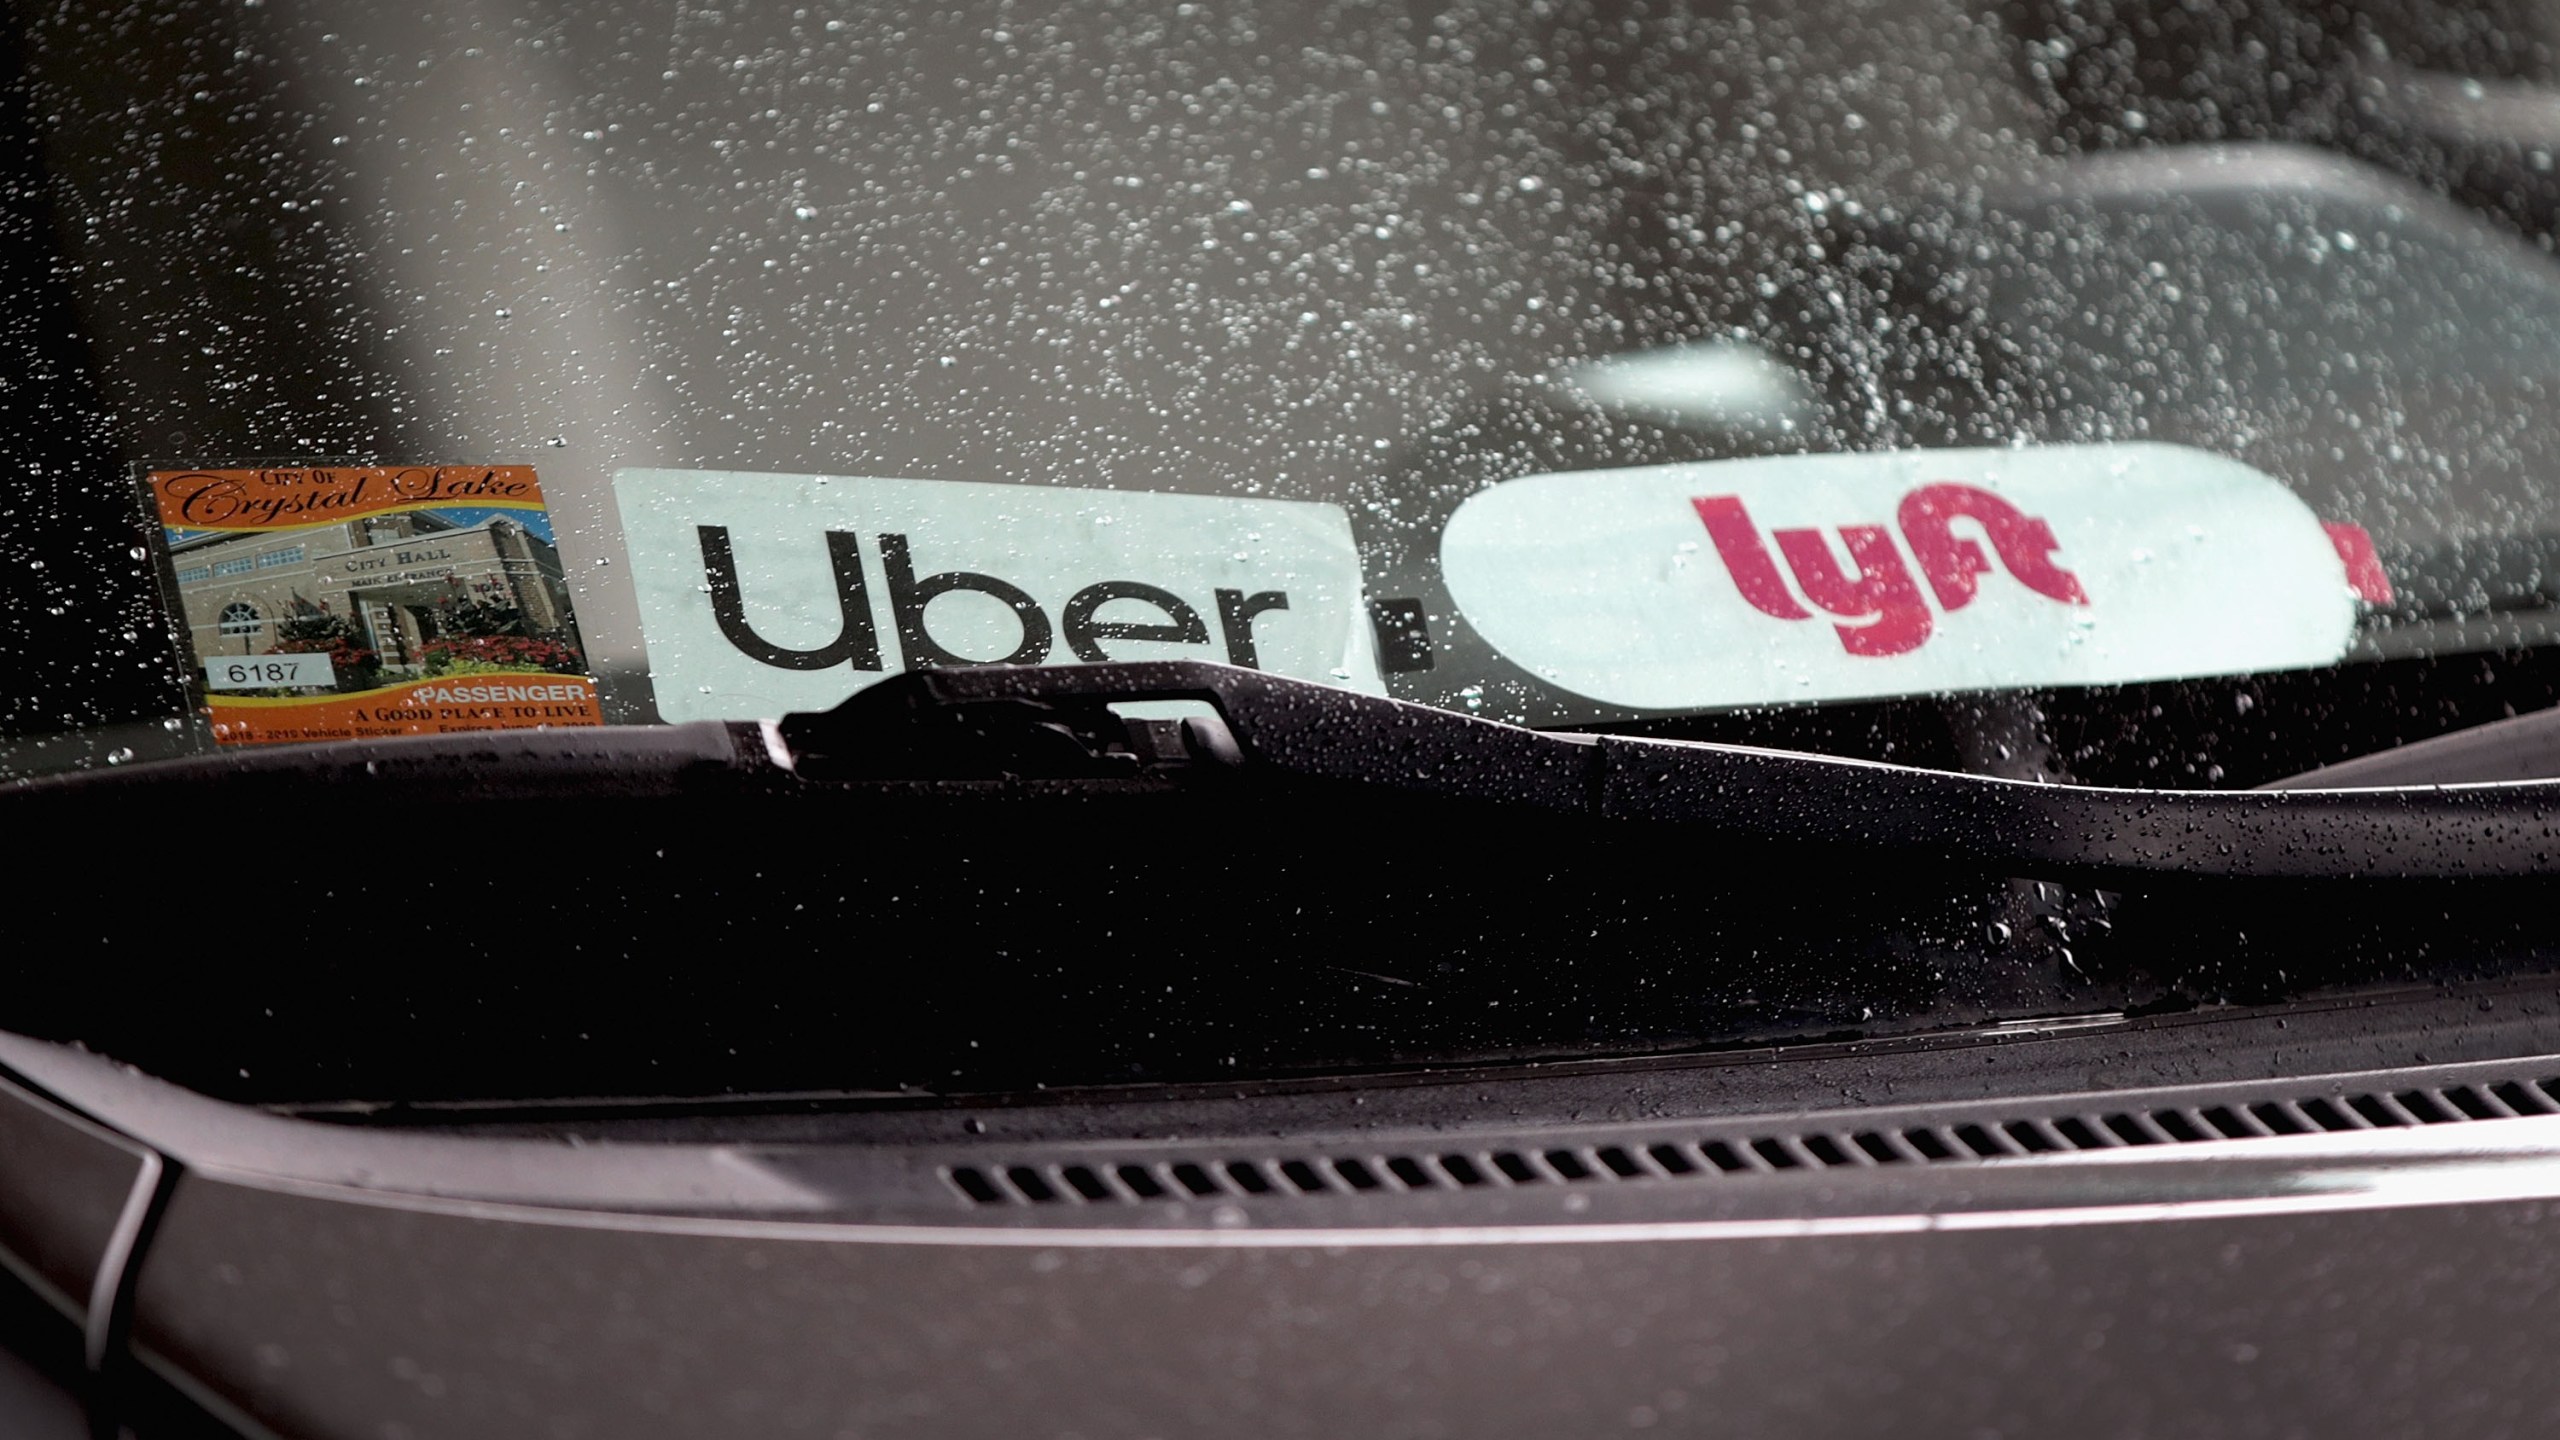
{"points": [[216, 498]]}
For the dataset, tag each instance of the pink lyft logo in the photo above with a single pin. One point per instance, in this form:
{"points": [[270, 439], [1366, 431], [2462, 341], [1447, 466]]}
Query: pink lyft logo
{"points": [[1883, 594]]}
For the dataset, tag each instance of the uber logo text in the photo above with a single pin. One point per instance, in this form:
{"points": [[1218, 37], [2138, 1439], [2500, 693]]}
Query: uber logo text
{"points": [[1172, 620]]}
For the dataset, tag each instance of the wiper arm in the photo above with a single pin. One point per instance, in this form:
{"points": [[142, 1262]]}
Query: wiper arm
{"points": [[914, 724], [1005, 729]]}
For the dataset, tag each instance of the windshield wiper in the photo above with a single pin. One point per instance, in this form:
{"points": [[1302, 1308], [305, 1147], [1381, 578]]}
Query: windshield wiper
{"points": [[1030, 728], [916, 724]]}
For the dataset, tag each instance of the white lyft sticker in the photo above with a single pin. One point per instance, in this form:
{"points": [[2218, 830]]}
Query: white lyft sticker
{"points": [[764, 594], [1830, 577]]}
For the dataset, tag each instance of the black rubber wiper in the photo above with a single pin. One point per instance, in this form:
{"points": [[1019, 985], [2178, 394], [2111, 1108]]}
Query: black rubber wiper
{"points": [[1035, 731], [923, 723]]}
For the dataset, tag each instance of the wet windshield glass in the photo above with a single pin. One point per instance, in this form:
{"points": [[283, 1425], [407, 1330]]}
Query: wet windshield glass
{"points": [[2066, 393]]}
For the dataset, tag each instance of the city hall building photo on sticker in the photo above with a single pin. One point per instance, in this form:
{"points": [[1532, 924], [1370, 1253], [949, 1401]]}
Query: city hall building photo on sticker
{"points": [[389, 573]]}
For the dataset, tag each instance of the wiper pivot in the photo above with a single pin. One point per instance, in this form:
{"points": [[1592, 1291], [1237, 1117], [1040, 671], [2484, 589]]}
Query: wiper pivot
{"points": [[922, 727]]}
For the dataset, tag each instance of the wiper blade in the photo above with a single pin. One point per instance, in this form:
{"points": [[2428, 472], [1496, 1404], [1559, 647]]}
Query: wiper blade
{"points": [[1032, 730], [1737, 793]]}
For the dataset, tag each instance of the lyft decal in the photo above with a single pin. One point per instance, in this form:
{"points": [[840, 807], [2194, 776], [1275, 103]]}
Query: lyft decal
{"points": [[1825, 577], [1891, 615], [763, 594]]}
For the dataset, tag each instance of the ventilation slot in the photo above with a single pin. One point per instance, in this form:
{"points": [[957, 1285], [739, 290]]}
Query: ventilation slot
{"points": [[1776, 1154], [2231, 1123], [2034, 1137], [1672, 1160], [2379, 1110], [2078, 1134], [2428, 1106], [2334, 1115], [1409, 1173], [1724, 1157], [2134, 1130], [1303, 1175], [1984, 1143], [2281, 1119], [1357, 1175], [1878, 1148], [1826, 1150], [2476, 1104], [1569, 1166], [2176, 1125], [1954, 1142], [2525, 1098]]}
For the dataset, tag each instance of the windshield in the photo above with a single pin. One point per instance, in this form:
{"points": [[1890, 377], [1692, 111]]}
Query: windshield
{"points": [[2052, 394], [2077, 393]]}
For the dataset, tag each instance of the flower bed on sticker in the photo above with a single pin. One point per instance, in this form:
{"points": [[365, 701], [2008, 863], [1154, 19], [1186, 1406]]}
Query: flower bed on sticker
{"points": [[491, 654], [355, 665]]}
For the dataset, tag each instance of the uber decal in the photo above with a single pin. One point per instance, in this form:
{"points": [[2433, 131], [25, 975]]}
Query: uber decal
{"points": [[1826, 577], [762, 594]]}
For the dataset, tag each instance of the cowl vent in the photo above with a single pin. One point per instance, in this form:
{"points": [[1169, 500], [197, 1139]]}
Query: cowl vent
{"points": [[1944, 1135]]}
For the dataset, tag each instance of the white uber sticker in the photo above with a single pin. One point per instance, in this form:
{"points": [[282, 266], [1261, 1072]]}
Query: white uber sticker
{"points": [[1832, 577], [764, 594]]}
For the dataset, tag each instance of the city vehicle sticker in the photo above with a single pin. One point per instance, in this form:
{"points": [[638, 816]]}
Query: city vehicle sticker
{"points": [[1831, 577], [342, 602], [762, 594]]}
